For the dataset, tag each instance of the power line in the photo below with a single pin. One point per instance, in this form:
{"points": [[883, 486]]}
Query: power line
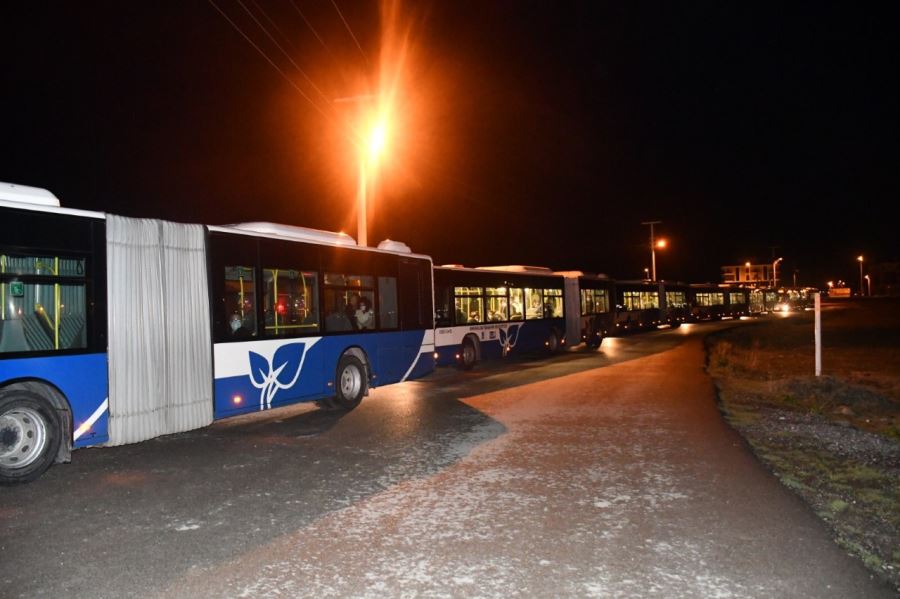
{"points": [[350, 31], [277, 45], [270, 61], [273, 24], [311, 28]]}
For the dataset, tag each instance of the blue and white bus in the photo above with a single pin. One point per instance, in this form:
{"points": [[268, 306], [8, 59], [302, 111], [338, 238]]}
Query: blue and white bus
{"points": [[491, 312], [116, 330]]}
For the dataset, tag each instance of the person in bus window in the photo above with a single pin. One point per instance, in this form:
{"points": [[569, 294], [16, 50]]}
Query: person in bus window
{"points": [[236, 327], [351, 309], [548, 310], [365, 318]]}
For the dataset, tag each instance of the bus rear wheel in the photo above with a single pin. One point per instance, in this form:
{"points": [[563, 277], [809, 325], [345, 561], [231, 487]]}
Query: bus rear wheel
{"points": [[29, 436], [553, 342], [468, 355], [351, 383]]}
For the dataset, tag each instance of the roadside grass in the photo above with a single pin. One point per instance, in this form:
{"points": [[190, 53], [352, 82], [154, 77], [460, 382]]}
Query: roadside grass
{"points": [[834, 440]]}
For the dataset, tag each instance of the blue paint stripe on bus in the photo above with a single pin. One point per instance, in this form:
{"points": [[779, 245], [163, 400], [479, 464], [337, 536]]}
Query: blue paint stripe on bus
{"points": [[391, 355], [82, 379]]}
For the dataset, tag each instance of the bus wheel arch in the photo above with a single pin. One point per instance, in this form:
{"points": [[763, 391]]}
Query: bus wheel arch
{"points": [[35, 430]]}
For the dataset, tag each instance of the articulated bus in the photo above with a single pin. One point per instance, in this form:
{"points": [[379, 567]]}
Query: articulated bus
{"points": [[637, 306], [590, 316], [492, 312], [707, 302], [675, 307], [738, 301], [715, 302], [116, 330]]}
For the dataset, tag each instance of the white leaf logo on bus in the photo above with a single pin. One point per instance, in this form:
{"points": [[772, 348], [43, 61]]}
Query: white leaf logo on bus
{"points": [[281, 373], [508, 337]]}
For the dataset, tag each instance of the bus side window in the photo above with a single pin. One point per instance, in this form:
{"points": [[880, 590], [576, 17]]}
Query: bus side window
{"points": [[516, 304], [240, 301], [387, 302], [442, 306]]}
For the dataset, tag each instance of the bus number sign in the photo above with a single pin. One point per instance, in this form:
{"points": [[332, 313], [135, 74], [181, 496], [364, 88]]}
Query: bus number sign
{"points": [[17, 289]]}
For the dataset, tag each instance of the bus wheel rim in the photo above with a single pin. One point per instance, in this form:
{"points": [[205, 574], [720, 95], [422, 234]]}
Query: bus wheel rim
{"points": [[23, 437], [351, 381]]}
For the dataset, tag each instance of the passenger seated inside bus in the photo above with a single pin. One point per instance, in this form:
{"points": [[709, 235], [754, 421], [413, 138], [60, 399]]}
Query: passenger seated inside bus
{"points": [[337, 321], [350, 310], [474, 317], [236, 327], [365, 318]]}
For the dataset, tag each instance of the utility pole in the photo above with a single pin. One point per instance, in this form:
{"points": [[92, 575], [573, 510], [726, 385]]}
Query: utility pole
{"points": [[652, 247]]}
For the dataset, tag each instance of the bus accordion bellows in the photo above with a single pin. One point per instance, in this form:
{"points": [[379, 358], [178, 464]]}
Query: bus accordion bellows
{"points": [[115, 330]]}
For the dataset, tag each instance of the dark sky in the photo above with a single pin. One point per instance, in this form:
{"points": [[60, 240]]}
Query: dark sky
{"points": [[538, 133]]}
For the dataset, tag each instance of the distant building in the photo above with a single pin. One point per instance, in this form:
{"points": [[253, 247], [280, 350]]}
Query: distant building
{"points": [[752, 275]]}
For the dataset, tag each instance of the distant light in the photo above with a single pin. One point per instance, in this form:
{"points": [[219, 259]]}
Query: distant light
{"points": [[860, 258], [747, 265], [237, 399], [661, 243], [436, 355]]}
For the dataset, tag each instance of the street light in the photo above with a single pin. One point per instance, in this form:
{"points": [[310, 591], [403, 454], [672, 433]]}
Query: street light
{"points": [[860, 260], [868, 284], [653, 245], [775, 272], [373, 148], [371, 144], [647, 273]]}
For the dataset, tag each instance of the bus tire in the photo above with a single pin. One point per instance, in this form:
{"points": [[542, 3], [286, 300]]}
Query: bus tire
{"points": [[553, 342], [351, 383], [29, 436], [468, 354]]}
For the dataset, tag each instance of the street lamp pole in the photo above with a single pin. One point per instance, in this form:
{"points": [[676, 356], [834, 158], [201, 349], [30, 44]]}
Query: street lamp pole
{"points": [[860, 260], [775, 272], [361, 236], [370, 145], [652, 247]]}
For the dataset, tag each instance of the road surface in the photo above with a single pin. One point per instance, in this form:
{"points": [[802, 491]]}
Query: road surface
{"points": [[590, 474]]}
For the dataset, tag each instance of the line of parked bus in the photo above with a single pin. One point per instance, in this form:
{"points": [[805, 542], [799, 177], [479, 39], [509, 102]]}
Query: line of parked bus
{"points": [[491, 312], [117, 330]]}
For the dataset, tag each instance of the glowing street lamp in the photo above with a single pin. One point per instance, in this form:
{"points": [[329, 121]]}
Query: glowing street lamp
{"points": [[372, 151], [868, 284], [654, 244], [860, 260], [775, 272]]}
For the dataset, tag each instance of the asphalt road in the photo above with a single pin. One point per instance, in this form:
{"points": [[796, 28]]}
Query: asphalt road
{"points": [[589, 474]]}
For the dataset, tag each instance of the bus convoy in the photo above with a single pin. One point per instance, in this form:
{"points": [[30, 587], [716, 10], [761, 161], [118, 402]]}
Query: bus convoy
{"points": [[116, 330]]}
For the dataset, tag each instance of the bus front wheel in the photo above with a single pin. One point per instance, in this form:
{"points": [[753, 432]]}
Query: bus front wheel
{"points": [[351, 383], [29, 436]]}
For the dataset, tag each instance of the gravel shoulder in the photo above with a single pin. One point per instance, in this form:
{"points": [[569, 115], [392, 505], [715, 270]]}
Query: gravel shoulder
{"points": [[834, 440]]}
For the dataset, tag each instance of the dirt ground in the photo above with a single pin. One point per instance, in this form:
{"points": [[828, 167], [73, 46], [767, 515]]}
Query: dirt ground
{"points": [[835, 440]]}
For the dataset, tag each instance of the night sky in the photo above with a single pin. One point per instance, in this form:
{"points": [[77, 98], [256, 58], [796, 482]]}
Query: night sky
{"points": [[536, 133]]}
